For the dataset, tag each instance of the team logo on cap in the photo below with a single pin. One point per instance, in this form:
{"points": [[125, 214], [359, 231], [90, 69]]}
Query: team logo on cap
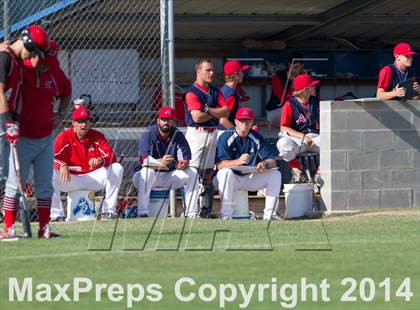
{"points": [[168, 112]]}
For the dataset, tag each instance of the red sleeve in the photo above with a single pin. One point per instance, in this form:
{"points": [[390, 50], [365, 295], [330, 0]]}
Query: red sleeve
{"points": [[286, 115], [192, 102], [385, 78], [61, 148], [230, 102], [105, 151], [221, 100], [277, 87]]}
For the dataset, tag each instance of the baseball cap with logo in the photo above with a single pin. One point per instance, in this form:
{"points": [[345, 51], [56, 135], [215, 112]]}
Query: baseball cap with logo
{"points": [[81, 113], [36, 40], [167, 112], [302, 81], [244, 113], [233, 66], [403, 49]]}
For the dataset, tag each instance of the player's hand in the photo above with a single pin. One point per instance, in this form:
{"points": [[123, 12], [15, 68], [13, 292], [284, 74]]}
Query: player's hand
{"points": [[244, 159], [12, 132], [65, 174], [416, 87], [182, 164], [261, 166], [308, 141], [166, 159], [399, 91], [96, 161]]}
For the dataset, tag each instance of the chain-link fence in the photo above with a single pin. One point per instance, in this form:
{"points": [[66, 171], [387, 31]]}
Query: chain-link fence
{"points": [[115, 54]]}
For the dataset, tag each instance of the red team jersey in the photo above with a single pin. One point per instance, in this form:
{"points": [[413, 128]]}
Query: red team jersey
{"points": [[68, 149], [38, 92]]}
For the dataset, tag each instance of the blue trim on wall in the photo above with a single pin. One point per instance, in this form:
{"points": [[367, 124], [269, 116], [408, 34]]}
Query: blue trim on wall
{"points": [[37, 16]]}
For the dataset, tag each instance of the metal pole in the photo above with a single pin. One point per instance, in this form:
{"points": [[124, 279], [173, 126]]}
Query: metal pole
{"points": [[171, 51], [171, 82], [163, 51], [6, 25]]}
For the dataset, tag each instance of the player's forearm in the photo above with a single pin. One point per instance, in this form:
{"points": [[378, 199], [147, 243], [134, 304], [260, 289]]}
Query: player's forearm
{"points": [[225, 122], [385, 95], [228, 163], [292, 132], [200, 117], [219, 112]]}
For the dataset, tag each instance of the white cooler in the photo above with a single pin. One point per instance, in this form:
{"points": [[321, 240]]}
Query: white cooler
{"points": [[298, 198], [81, 206]]}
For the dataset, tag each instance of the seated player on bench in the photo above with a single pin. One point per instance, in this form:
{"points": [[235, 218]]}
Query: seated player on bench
{"points": [[299, 126], [238, 148], [84, 161]]}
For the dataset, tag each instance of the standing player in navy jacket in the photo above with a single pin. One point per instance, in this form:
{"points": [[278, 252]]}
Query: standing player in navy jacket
{"points": [[167, 144], [204, 106], [300, 125], [243, 146], [392, 75]]}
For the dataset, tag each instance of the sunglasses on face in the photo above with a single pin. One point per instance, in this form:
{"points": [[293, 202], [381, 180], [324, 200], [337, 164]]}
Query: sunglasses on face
{"points": [[81, 121]]}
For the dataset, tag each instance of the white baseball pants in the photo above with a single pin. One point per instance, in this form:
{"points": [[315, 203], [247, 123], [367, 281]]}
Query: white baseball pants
{"points": [[108, 178], [230, 182], [147, 178], [203, 147], [288, 148]]}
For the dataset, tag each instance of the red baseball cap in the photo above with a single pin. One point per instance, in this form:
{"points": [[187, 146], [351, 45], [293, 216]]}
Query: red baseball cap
{"points": [[167, 112], [403, 49], [233, 66], [302, 81], [81, 113], [244, 113]]}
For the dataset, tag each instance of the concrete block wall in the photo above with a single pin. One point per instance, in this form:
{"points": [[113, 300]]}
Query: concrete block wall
{"points": [[370, 154]]}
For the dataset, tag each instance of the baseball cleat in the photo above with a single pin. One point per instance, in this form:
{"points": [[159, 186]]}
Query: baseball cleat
{"points": [[58, 219], [47, 233], [9, 234]]}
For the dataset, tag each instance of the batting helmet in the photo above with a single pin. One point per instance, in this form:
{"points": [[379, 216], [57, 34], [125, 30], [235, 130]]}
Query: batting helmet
{"points": [[36, 40]]}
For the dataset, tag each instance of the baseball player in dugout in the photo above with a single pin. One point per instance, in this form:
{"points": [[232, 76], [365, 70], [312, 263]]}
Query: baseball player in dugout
{"points": [[282, 87], [39, 88], [234, 74], [32, 41], [83, 160], [242, 146], [204, 106], [299, 126], [165, 157], [391, 76]]}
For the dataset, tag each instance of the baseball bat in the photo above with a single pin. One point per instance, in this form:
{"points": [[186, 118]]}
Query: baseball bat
{"points": [[24, 212]]}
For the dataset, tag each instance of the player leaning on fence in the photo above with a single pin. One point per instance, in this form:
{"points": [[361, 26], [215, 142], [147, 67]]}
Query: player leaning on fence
{"points": [[204, 106], [170, 150], [300, 125], [84, 161], [241, 146]]}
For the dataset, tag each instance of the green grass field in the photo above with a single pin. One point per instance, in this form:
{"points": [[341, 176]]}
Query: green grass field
{"points": [[373, 245]]}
